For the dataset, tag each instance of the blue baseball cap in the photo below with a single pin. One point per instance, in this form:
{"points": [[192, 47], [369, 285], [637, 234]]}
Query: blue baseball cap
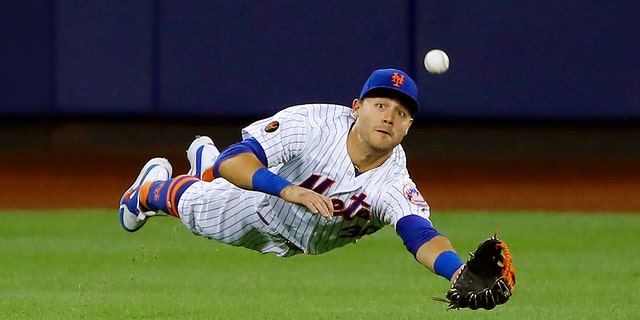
{"points": [[383, 80]]}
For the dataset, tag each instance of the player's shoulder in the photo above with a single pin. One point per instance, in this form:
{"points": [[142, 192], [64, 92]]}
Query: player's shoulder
{"points": [[403, 187], [398, 160], [394, 171]]}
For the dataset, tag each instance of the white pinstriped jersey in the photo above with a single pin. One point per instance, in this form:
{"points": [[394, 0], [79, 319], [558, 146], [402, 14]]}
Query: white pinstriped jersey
{"points": [[306, 145]]}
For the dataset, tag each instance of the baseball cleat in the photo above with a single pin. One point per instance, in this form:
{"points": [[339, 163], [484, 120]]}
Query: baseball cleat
{"points": [[132, 217], [202, 154]]}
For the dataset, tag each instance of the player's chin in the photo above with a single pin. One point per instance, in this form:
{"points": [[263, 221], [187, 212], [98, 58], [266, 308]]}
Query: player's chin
{"points": [[384, 144]]}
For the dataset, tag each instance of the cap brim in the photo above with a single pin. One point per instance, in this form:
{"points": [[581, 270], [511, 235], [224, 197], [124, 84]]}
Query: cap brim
{"points": [[404, 98]]}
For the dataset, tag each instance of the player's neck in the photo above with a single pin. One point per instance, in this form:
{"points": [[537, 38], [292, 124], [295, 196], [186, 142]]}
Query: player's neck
{"points": [[363, 157]]}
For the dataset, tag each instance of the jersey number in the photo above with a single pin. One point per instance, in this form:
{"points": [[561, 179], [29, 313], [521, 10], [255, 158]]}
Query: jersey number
{"points": [[357, 231]]}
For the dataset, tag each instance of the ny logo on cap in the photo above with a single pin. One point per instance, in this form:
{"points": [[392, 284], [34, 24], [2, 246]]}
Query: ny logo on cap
{"points": [[397, 79]]}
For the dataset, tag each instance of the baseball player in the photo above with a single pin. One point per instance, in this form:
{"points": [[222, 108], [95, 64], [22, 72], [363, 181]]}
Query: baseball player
{"points": [[309, 179]]}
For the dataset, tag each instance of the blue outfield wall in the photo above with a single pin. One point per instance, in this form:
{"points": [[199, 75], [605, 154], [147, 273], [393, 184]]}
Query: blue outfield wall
{"points": [[513, 60]]}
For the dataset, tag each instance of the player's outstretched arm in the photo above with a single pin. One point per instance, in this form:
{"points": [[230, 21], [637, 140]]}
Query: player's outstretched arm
{"points": [[433, 249], [428, 246], [247, 172]]}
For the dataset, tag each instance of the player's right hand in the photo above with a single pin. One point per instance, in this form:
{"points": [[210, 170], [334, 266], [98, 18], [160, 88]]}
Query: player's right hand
{"points": [[315, 202]]}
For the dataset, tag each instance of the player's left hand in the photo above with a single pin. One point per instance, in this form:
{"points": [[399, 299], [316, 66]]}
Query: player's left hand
{"points": [[314, 201], [486, 280]]}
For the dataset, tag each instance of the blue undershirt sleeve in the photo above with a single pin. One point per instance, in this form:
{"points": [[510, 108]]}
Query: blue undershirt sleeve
{"points": [[263, 180], [415, 231], [247, 145]]}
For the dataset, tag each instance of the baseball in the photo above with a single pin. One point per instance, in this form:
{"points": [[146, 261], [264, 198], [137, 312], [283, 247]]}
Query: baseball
{"points": [[436, 61]]}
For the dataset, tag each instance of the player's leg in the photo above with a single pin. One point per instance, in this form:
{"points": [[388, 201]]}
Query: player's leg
{"points": [[154, 190], [215, 210], [202, 154], [219, 210], [132, 215], [164, 195]]}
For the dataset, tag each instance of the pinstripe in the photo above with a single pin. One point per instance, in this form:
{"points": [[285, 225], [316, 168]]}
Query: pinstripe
{"points": [[310, 140]]}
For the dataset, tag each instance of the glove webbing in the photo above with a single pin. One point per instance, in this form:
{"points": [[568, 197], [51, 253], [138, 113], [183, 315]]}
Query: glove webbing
{"points": [[508, 272]]}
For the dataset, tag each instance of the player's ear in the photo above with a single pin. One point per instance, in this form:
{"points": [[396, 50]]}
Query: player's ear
{"points": [[355, 106], [410, 123]]}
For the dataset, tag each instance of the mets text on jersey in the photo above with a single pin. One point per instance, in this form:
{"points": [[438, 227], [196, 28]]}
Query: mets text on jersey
{"points": [[357, 208]]}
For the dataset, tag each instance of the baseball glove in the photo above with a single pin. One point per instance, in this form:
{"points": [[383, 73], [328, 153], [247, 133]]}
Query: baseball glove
{"points": [[486, 280]]}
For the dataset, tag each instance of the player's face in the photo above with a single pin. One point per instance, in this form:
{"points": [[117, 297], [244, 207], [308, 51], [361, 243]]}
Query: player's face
{"points": [[381, 122]]}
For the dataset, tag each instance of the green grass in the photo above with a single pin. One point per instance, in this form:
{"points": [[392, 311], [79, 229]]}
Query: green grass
{"points": [[81, 265]]}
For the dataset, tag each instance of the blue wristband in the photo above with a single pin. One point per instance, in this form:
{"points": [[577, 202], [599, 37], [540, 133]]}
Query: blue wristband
{"points": [[265, 181], [446, 264]]}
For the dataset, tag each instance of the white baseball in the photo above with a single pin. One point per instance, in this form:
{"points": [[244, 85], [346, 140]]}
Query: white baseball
{"points": [[436, 61]]}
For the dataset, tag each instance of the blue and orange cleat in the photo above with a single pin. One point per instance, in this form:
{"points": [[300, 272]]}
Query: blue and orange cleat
{"points": [[202, 154], [132, 217]]}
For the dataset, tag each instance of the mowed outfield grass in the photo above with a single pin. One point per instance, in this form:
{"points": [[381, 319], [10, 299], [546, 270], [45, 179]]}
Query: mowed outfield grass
{"points": [[81, 265]]}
